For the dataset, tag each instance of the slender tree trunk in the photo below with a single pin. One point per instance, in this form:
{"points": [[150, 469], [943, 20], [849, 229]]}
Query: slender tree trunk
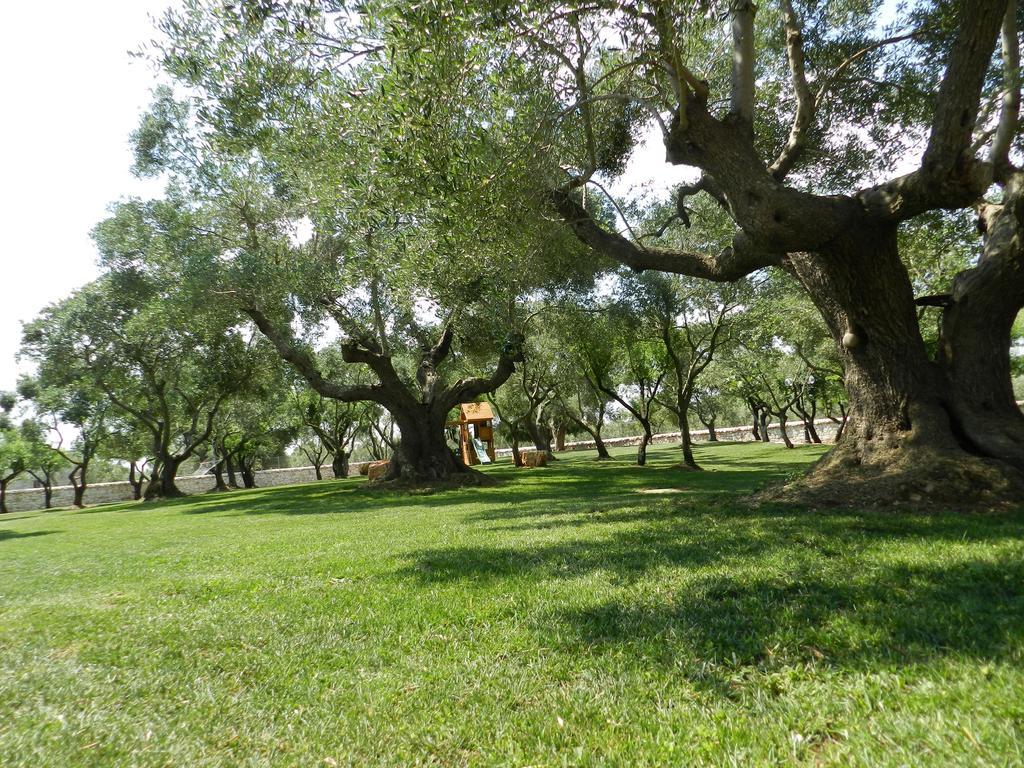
{"points": [[602, 449], [684, 433], [815, 437], [710, 427], [645, 439], [560, 438], [248, 476], [763, 417], [135, 479], [781, 417], [229, 462], [540, 434], [755, 414], [842, 423], [80, 484], [316, 469], [218, 475], [3, 495], [517, 457]]}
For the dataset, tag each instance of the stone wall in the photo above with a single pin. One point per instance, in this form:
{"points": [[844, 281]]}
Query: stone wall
{"points": [[795, 429], [106, 493]]}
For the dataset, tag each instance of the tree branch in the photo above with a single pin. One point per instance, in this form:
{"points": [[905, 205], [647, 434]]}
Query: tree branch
{"points": [[730, 265], [742, 95], [298, 356], [1009, 117], [805, 101], [959, 95]]}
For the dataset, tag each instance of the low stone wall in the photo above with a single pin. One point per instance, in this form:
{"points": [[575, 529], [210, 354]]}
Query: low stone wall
{"points": [[826, 429], [107, 493], [27, 499]]}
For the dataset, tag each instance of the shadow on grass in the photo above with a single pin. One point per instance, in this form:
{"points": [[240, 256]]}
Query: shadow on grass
{"points": [[8, 535], [896, 615], [769, 586], [520, 493]]}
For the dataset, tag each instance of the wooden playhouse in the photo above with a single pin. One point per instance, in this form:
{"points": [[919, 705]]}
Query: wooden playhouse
{"points": [[476, 433]]}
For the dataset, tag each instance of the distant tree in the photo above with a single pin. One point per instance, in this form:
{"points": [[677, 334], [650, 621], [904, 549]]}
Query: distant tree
{"points": [[639, 373], [334, 423], [316, 452], [691, 320], [43, 463], [66, 403], [15, 451], [584, 358]]}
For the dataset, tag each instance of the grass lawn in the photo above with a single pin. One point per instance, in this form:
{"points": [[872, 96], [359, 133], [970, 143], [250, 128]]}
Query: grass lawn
{"points": [[565, 617]]}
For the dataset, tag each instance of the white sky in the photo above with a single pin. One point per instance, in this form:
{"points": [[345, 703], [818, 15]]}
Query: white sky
{"points": [[71, 95]]}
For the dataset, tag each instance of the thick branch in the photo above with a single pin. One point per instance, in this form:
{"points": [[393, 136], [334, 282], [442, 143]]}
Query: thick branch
{"points": [[805, 101], [298, 356], [467, 390], [1009, 117], [731, 264], [959, 97], [742, 96]]}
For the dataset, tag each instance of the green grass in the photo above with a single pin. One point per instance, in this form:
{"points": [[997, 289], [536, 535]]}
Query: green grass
{"points": [[561, 618]]}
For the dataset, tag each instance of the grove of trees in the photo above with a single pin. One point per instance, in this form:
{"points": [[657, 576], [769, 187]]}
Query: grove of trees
{"points": [[377, 211]]}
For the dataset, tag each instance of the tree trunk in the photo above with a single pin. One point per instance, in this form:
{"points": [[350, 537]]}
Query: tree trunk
{"points": [[79, 483], [641, 452], [422, 454], [316, 469], [135, 479], [709, 425], [339, 464], [162, 483], [841, 422], [248, 476], [755, 414], [602, 449], [560, 438], [684, 433], [230, 465], [781, 416], [976, 333], [540, 434], [218, 475], [763, 417], [916, 430], [517, 457], [3, 496]]}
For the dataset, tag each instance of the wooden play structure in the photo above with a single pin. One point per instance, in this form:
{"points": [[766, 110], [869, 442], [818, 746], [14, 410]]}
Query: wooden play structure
{"points": [[476, 433]]}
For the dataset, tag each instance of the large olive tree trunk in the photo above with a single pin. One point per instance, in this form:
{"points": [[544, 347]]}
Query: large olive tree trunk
{"points": [[423, 454], [949, 429]]}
